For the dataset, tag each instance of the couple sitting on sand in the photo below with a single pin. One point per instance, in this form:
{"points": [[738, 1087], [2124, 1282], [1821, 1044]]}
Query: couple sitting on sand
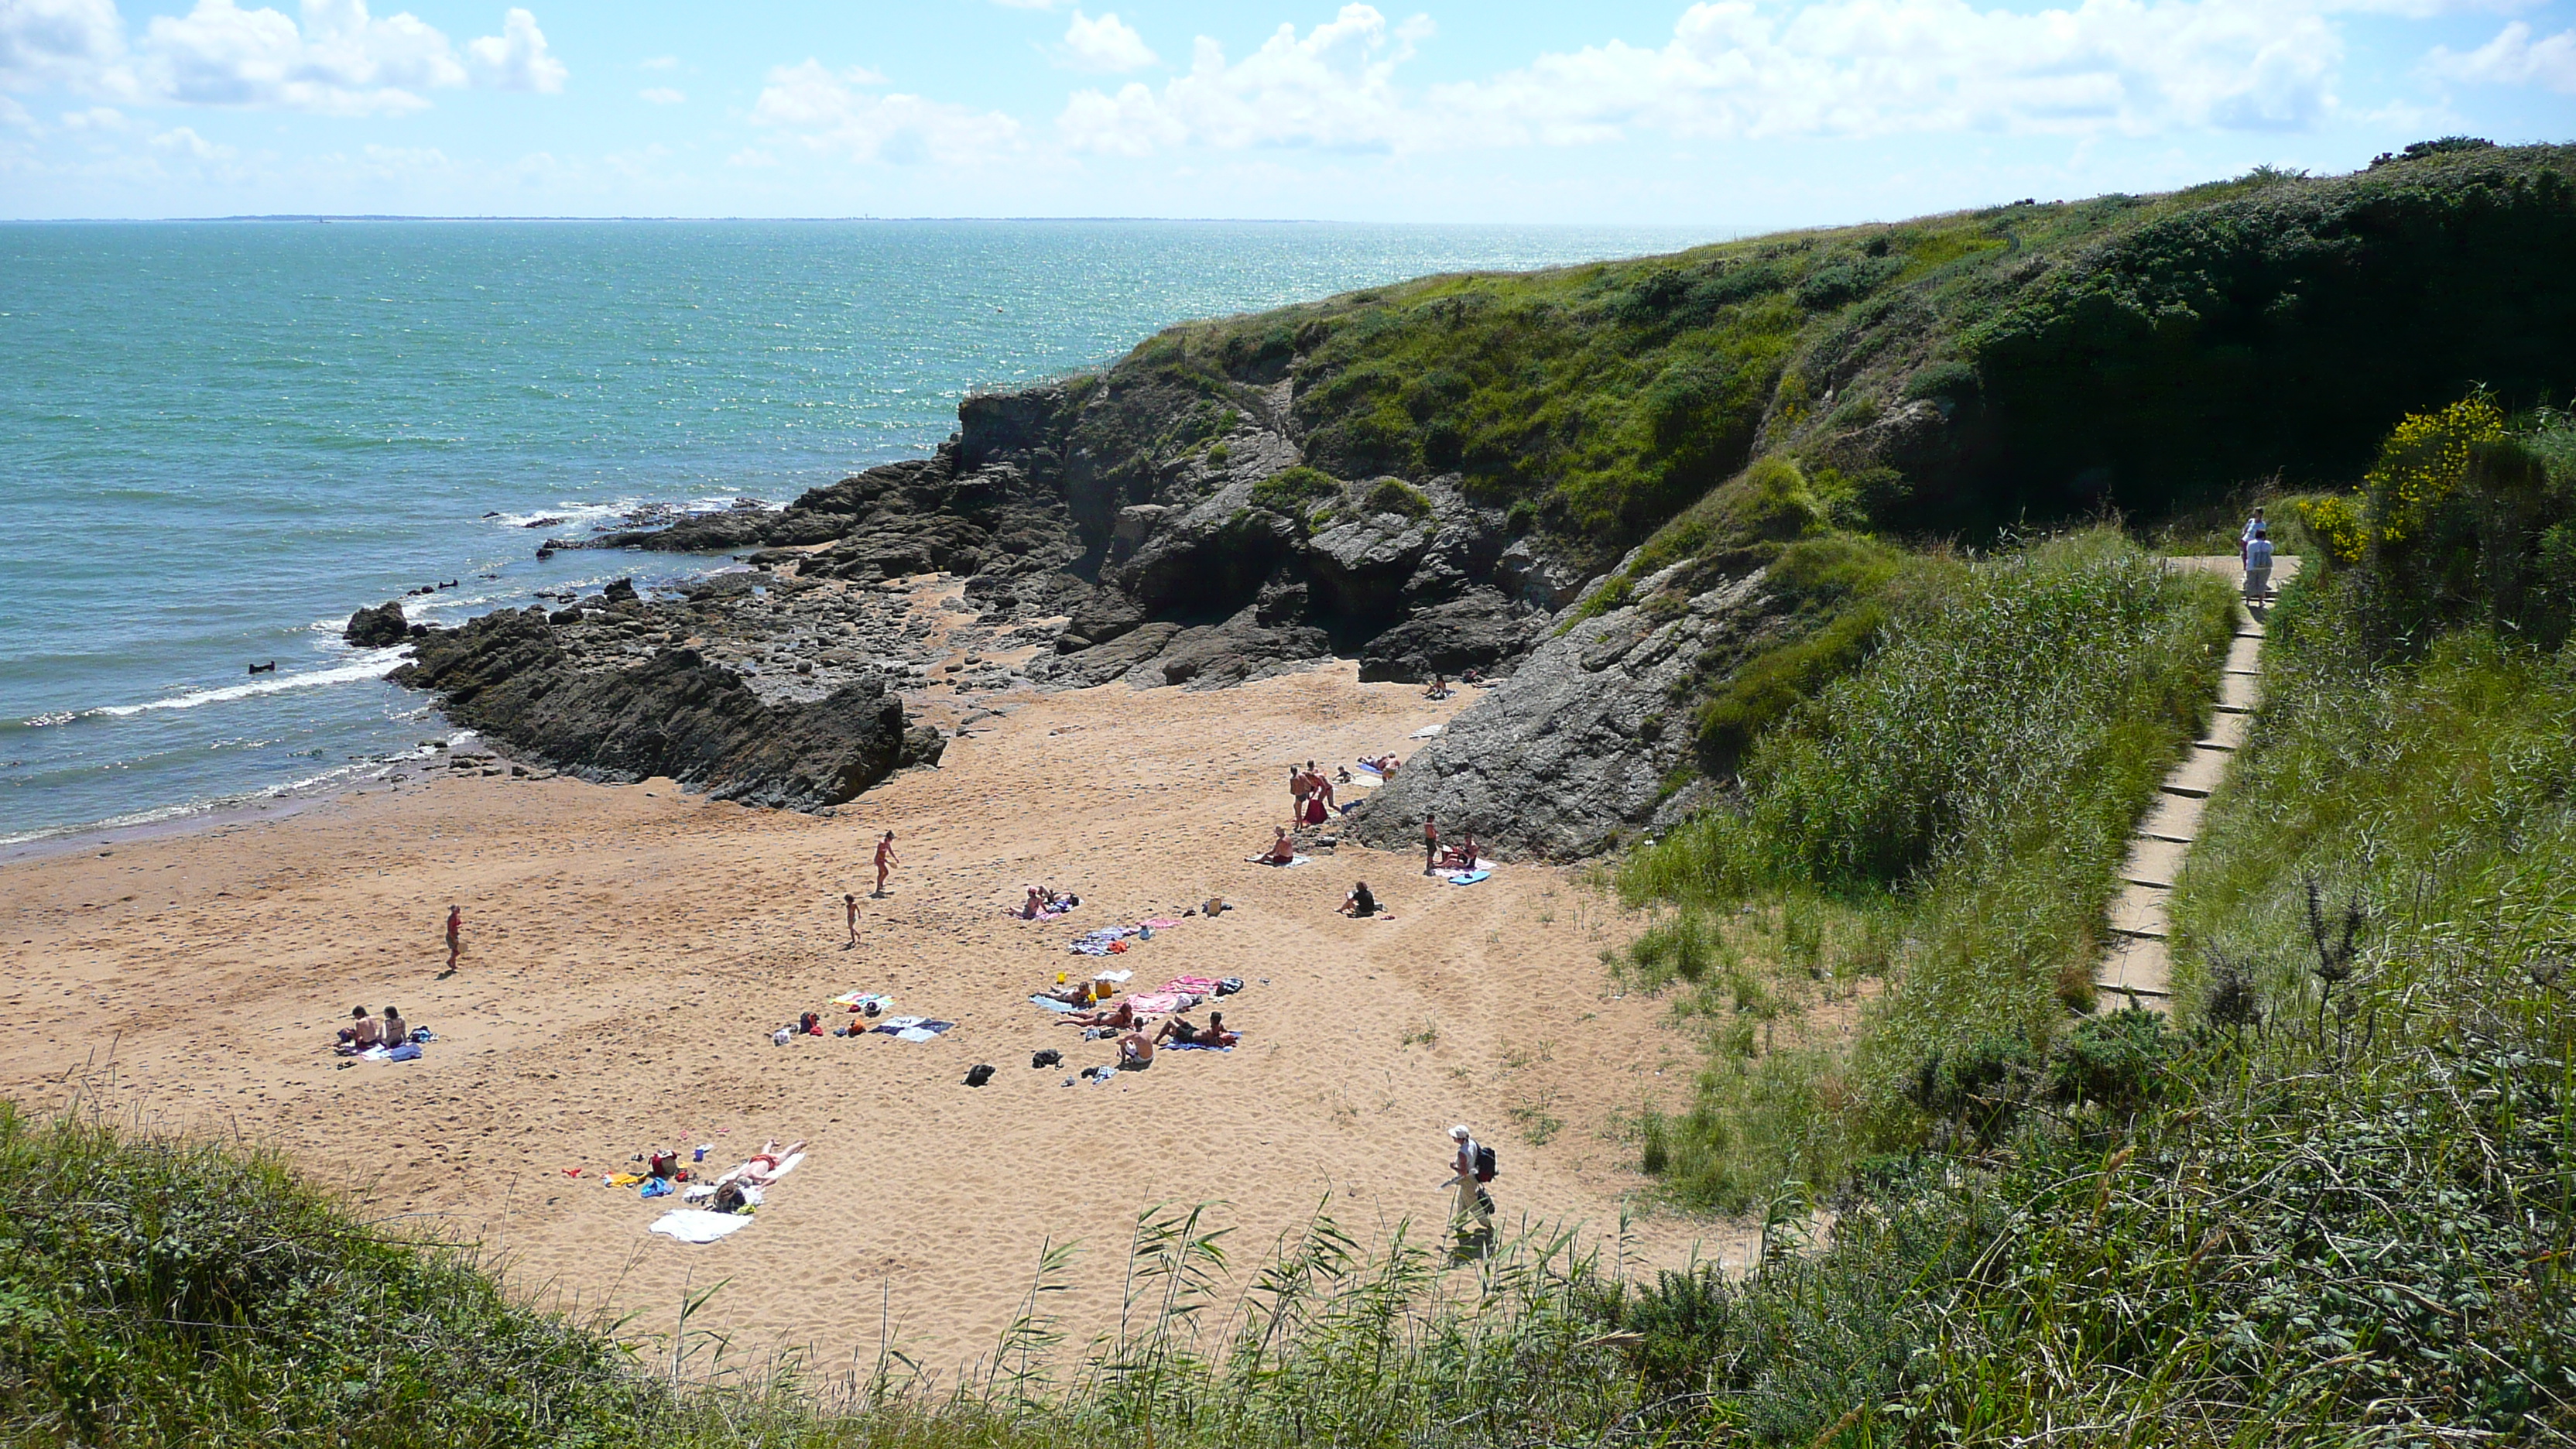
{"points": [[1136, 1050], [364, 1031], [1044, 901], [1383, 764]]}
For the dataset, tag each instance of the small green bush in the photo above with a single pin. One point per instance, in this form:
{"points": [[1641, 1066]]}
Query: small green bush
{"points": [[1289, 490], [1394, 495]]}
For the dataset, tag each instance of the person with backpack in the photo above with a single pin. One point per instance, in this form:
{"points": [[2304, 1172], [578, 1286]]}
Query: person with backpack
{"points": [[1474, 1165]]}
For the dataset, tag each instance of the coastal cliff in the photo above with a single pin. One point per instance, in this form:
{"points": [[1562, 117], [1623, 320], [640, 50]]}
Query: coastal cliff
{"points": [[1592, 470]]}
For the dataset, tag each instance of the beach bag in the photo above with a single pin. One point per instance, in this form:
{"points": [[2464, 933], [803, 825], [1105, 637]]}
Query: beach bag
{"points": [[1048, 1058], [979, 1074], [1485, 1163]]}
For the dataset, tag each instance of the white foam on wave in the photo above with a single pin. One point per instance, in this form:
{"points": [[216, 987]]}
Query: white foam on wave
{"points": [[372, 664]]}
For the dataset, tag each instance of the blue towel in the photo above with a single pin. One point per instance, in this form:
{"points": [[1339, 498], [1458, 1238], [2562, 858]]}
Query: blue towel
{"points": [[1469, 877], [656, 1187], [1189, 1046], [407, 1052], [1050, 1003]]}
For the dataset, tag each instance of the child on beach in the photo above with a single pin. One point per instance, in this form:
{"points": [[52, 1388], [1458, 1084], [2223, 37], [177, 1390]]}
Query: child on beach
{"points": [[850, 905], [887, 860], [455, 932]]}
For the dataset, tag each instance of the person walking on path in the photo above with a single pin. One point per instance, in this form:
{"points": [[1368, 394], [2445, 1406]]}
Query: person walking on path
{"points": [[455, 935], [1471, 1213], [1430, 844], [887, 860], [850, 904], [2258, 570], [2254, 529]]}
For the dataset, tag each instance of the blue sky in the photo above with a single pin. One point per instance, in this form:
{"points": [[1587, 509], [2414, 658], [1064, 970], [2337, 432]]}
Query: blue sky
{"points": [[1734, 114]]}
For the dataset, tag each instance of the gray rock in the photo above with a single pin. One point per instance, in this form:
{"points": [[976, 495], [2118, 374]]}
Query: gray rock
{"points": [[1571, 753], [1240, 649], [381, 627], [1479, 630], [1101, 663]]}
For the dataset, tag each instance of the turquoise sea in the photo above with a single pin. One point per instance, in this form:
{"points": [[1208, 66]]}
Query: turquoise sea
{"points": [[216, 439]]}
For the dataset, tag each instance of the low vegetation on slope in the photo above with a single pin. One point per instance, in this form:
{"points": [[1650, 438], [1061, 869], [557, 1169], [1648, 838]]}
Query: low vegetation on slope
{"points": [[1953, 372]]}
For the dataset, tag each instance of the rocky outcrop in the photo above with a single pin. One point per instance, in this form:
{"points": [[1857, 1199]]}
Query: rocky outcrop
{"points": [[381, 627], [1580, 746], [673, 713]]}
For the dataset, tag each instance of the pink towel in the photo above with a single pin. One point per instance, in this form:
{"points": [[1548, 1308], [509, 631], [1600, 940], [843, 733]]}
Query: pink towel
{"points": [[1156, 1003], [1190, 986], [1160, 923]]}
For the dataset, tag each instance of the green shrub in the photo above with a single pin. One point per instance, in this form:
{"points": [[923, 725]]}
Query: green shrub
{"points": [[1289, 490], [1394, 495]]}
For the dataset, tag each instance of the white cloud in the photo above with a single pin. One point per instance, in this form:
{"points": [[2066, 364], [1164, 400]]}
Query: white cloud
{"points": [[1028, 4], [96, 118], [76, 43], [831, 115], [516, 59], [1334, 88], [186, 141], [14, 114], [1734, 69], [334, 57], [662, 95], [659, 62], [2513, 58], [1106, 44]]}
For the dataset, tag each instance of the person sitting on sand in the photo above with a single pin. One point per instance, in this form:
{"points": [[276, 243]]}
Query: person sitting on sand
{"points": [[1032, 906], [1439, 687], [1461, 856], [396, 1030], [1121, 1017], [1282, 849], [1342, 774], [1135, 1053], [1385, 764], [1360, 904], [362, 1032]]}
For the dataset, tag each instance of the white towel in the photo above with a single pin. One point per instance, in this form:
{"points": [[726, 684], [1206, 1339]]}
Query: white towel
{"points": [[1426, 732], [695, 1225]]}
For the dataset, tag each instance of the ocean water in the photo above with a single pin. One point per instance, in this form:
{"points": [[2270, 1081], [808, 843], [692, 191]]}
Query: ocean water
{"points": [[217, 439]]}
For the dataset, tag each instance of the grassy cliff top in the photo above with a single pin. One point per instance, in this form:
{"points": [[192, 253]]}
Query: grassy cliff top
{"points": [[1959, 372]]}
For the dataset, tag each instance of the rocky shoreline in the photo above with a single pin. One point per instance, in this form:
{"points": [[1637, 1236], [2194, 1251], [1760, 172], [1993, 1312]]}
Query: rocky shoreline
{"points": [[1140, 526]]}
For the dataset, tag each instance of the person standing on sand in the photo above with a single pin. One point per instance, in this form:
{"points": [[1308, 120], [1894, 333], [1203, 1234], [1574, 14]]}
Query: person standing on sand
{"points": [[887, 860], [850, 905], [1471, 1213], [1430, 845], [455, 935]]}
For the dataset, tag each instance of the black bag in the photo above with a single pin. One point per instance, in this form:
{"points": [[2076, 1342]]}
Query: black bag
{"points": [[1048, 1058], [979, 1074], [1485, 1167]]}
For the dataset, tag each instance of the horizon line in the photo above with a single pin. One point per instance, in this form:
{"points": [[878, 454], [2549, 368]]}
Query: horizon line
{"points": [[333, 216]]}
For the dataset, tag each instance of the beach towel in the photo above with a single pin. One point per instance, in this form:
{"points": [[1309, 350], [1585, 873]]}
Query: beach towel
{"points": [[657, 1187], [1368, 774], [926, 1031], [404, 1053], [1099, 943], [1426, 732], [1467, 877], [1158, 1003], [1281, 864], [1114, 978], [1051, 1004], [1191, 985], [696, 1225], [785, 1166], [858, 1000], [893, 1024], [1160, 923], [1190, 1046]]}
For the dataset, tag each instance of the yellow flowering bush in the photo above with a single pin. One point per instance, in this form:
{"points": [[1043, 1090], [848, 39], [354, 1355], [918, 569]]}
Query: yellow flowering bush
{"points": [[2422, 463], [2336, 522]]}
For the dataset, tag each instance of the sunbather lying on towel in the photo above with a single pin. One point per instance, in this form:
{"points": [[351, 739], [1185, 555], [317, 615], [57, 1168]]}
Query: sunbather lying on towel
{"points": [[1121, 1017], [1360, 903], [1383, 764], [1282, 849], [1214, 1034], [762, 1169], [1461, 856], [1135, 1053]]}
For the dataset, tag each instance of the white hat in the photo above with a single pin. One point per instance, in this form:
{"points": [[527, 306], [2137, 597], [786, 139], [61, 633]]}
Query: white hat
{"points": [[1459, 1133]]}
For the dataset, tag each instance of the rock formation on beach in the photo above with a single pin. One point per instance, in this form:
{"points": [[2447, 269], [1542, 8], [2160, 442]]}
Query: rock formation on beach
{"points": [[511, 675]]}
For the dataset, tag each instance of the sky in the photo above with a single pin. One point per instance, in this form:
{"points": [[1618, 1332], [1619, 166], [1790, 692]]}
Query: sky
{"points": [[1734, 114]]}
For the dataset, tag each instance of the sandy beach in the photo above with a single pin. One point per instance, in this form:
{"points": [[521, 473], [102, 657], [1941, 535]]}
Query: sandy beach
{"points": [[630, 948]]}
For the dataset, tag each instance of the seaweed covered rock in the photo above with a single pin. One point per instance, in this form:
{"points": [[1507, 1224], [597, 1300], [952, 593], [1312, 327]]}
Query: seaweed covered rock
{"points": [[381, 627]]}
